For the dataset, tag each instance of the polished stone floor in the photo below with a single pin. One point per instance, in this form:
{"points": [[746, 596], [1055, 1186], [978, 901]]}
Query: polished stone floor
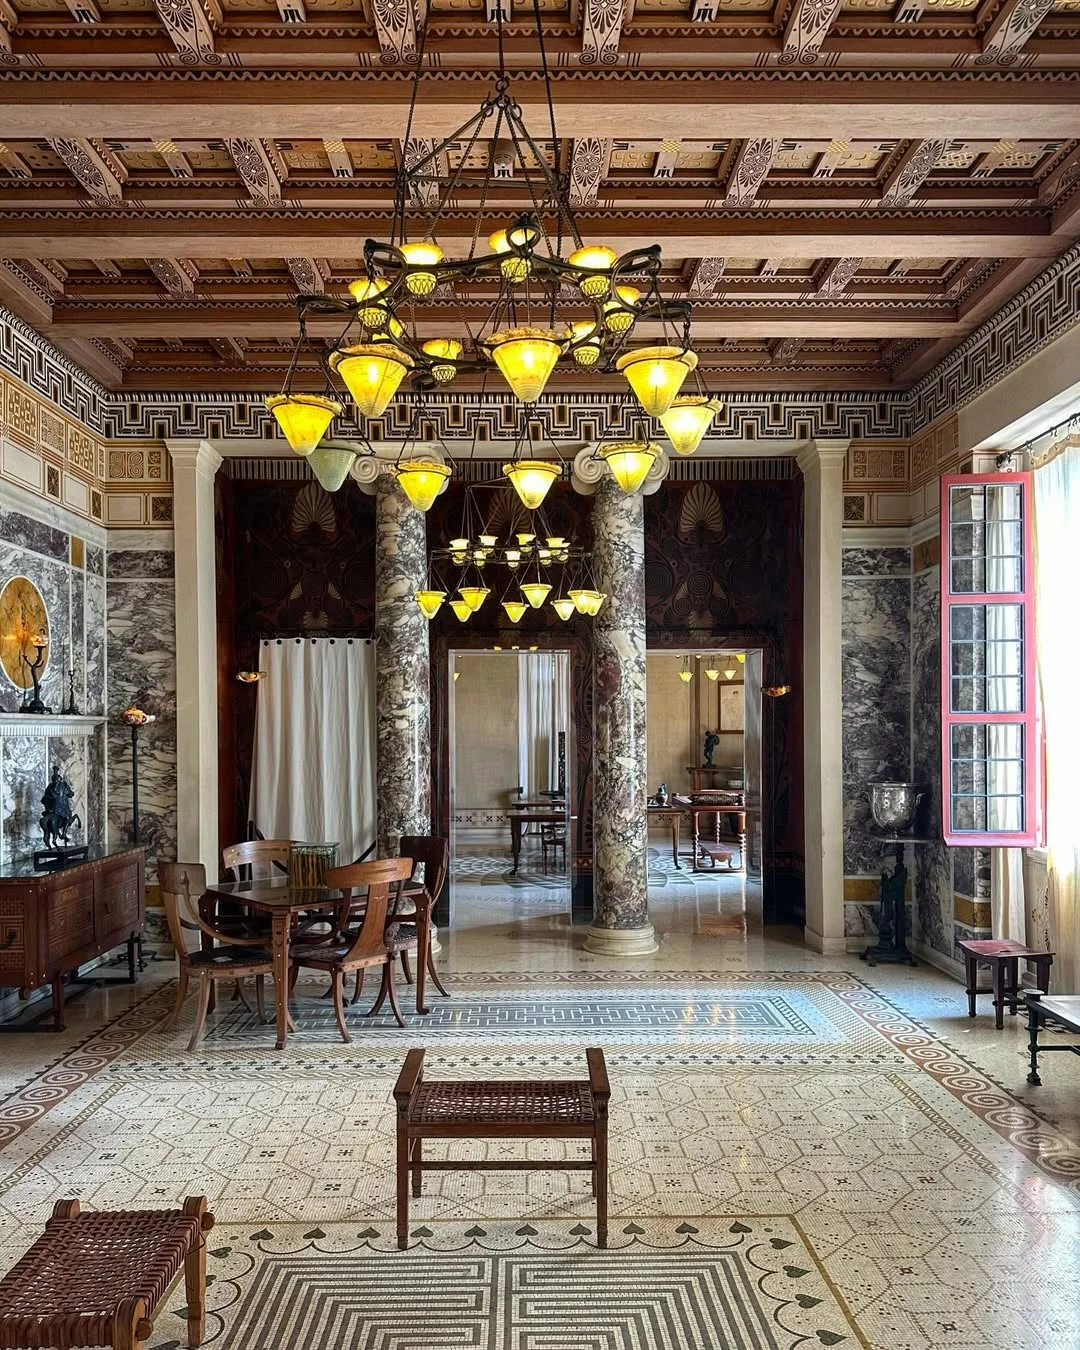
{"points": [[859, 1161]]}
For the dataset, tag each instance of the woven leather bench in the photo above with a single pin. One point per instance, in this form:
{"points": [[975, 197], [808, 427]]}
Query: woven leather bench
{"points": [[97, 1279], [500, 1109]]}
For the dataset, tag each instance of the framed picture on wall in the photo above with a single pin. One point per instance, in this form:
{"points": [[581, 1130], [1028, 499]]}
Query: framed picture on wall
{"points": [[731, 707]]}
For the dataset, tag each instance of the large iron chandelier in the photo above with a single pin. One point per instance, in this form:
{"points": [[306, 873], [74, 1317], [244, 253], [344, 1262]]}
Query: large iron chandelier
{"points": [[527, 296]]}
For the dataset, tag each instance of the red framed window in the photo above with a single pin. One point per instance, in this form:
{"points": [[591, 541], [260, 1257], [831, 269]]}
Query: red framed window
{"points": [[991, 740]]}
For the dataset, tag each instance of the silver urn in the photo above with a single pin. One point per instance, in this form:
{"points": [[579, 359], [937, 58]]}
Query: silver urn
{"points": [[893, 805]]}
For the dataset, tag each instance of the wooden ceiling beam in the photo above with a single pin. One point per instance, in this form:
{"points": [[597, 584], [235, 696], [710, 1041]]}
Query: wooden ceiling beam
{"points": [[190, 25], [601, 31], [837, 276], [176, 162], [915, 165], [13, 163], [339, 157], [705, 277], [260, 166], [308, 274], [920, 235], [395, 27], [807, 29], [1013, 24], [84, 11], [1020, 105], [752, 164], [95, 167], [8, 22], [177, 275], [590, 160]]}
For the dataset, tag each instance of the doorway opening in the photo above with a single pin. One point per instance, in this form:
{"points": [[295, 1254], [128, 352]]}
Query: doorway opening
{"points": [[704, 710], [511, 825]]}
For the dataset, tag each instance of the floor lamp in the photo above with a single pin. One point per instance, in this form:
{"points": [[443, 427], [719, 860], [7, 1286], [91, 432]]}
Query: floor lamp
{"points": [[134, 717]]}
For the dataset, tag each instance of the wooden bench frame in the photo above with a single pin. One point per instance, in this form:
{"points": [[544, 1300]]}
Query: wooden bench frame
{"points": [[491, 1125]]}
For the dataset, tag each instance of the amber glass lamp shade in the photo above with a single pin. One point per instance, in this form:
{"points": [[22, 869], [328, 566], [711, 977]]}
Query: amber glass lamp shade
{"points": [[598, 259], [686, 675], [445, 351], [711, 673], [420, 256], [619, 312], [536, 592], [531, 479], [372, 372], [365, 292], [514, 609], [687, 420], [421, 481], [629, 462], [512, 267], [474, 596], [430, 602], [586, 352], [331, 464], [526, 357], [655, 374], [563, 607], [461, 609], [587, 601], [303, 418]]}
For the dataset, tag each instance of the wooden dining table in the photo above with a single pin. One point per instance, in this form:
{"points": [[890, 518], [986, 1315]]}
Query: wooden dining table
{"points": [[532, 816], [284, 903]]}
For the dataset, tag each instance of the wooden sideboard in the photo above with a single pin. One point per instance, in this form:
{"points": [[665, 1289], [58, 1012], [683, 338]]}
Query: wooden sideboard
{"points": [[51, 923]]}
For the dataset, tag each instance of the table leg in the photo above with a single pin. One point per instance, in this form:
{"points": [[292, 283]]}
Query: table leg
{"points": [[423, 948], [133, 966], [998, 968], [58, 1000], [208, 912], [1042, 973], [1014, 981], [515, 842], [697, 841], [280, 926], [971, 973], [675, 820], [1033, 1039]]}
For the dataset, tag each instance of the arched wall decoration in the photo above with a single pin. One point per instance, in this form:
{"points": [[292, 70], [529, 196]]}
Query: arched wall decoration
{"points": [[23, 615]]}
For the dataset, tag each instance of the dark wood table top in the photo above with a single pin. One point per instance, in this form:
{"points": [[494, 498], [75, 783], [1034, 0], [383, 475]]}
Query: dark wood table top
{"points": [[277, 894]]}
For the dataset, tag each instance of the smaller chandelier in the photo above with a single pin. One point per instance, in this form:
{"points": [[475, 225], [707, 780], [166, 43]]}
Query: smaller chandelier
{"points": [[372, 372], [532, 478], [711, 673], [687, 421], [587, 601], [422, 480], [419, 257], [656, 374], [629, 462], [526, 357], [303, 418], [430, 602]]}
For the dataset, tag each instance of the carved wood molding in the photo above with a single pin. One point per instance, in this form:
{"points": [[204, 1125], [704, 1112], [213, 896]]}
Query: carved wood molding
{"points": [[806, 30], [96, 167], [751, 167]]}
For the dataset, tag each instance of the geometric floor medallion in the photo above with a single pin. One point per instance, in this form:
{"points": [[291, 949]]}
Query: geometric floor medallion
{"points": [[744, 1284]]}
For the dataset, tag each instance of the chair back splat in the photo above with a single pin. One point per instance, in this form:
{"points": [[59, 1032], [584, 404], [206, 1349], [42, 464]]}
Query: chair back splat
{"points": [[380, 879], [434, 852]]}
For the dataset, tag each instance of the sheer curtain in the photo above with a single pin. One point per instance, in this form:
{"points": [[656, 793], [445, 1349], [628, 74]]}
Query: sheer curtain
{"points": [[313, 771], [1057, 550], [543, 711]]}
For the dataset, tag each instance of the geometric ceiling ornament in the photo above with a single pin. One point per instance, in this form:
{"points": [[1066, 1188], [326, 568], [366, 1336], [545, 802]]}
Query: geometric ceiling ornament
{"points": [[915, 166], [260, 166], [809, 23], [190, 25], [96, 167], [752, 165], [177, 275], [395, 27], [707, 272], [1014, 24], [837, 275], [601, 28], [23, 617], [588, 168]]}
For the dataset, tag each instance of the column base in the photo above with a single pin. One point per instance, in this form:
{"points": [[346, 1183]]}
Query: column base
{"points": [[436, 946], [621, 941], [827, 946]]}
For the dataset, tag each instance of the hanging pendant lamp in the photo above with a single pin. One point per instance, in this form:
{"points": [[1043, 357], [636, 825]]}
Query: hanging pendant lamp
{"points": [[331, 463], [474, 596], [687, 420], [564, 607], [629, 462], [419, 256], [526, 357], [372, 372], [430, 602], [422, 480], [303, 418], [656, 374], [445, 351], [515, 609], [461, 609], [532, 478]]}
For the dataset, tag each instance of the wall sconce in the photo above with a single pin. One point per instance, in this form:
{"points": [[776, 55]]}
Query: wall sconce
{"points": [[777, 690], [250, 676]]}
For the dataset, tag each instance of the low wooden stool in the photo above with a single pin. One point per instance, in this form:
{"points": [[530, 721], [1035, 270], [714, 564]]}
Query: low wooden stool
{"points": [[1003, 956], [717, 853], [500, 1109], [96, 1279]]}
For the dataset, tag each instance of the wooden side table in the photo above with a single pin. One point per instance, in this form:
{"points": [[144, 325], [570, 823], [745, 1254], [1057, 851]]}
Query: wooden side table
{"points": [[1003, 956]]}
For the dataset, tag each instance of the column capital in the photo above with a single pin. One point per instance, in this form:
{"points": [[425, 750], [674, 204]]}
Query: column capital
{"points": [[822, 453], [194, 454]]}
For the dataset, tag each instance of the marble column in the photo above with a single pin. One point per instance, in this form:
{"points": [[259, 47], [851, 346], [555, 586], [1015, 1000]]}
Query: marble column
{"points": [[822, 464], [620, 925], [402, 666], [195, 464]]}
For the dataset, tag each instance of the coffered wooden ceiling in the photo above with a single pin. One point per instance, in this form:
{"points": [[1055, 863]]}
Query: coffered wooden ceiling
{"points": [[845, 188]]}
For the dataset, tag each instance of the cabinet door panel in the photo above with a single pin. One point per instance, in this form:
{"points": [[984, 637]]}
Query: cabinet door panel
{"points": [[71, 919], [118, 897]]}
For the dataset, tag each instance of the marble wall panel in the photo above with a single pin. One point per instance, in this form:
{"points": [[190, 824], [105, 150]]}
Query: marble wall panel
{"points": [[876, 638], [32, 535], [140, 563], [77, 658], [69, 754], [933, 864], [96, 672], [51, 579], [95, 560], [141, 651], [22, 781]]}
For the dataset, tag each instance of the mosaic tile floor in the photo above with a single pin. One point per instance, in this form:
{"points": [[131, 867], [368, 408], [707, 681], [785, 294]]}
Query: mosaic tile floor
{"points": [[932, 1199]]}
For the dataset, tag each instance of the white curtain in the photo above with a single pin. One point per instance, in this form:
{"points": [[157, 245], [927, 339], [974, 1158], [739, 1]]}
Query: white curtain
{"points": [[313, 771], [543, 712], [1057, 549]]}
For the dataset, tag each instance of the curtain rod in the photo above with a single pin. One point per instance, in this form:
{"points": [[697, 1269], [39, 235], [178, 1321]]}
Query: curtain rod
{"points": [[294, 636]]}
